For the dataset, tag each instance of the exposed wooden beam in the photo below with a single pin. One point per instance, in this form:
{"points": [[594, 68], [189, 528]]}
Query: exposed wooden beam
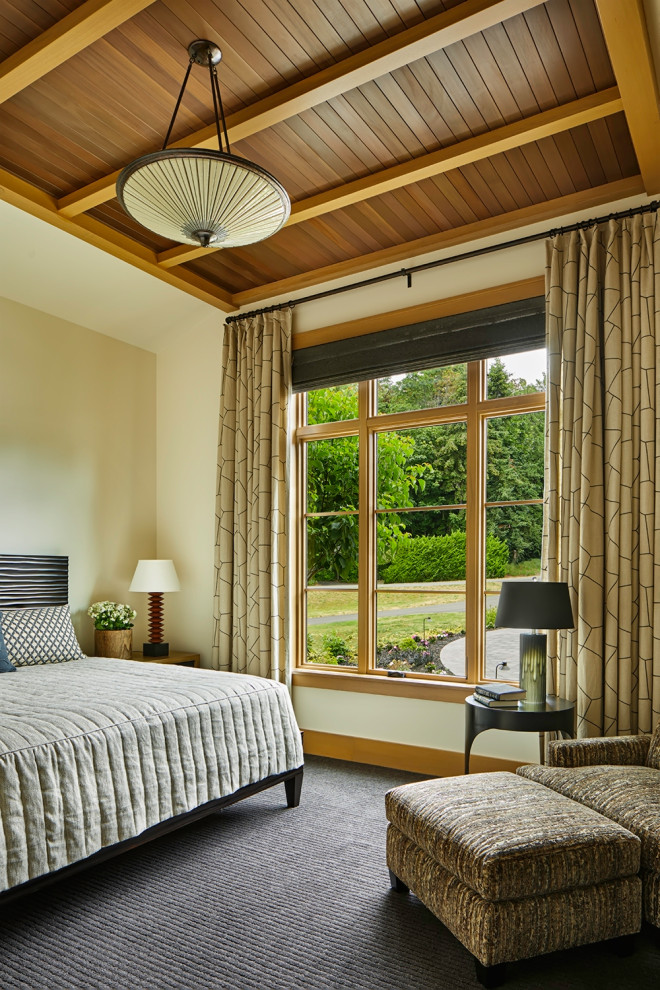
{"points": [[463, 153], [181, 253], [425, 38], [66, 38], [627, 39], [541, 212], [26, 197]]}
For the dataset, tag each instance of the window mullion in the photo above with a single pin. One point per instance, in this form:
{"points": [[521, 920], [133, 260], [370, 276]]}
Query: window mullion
{"points": [[367, 528], [474, 523], [299, 540]]}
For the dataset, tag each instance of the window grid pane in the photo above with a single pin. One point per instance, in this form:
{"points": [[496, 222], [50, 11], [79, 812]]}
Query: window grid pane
{"points": [[415, 603], [332, 626], [423, 631]]}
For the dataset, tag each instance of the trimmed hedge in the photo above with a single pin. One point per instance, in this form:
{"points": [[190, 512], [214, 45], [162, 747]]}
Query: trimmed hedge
{"points": [[441, 558]]}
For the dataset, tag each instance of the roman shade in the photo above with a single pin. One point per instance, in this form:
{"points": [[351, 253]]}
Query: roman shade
{"points": [[497, 330]]}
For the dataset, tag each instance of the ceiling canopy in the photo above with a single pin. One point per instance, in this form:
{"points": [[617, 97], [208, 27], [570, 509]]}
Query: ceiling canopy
{"points": [[397, 127]]}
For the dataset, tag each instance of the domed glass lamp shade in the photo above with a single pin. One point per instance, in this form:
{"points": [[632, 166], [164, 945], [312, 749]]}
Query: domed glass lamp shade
{"points": [[201, 197]]}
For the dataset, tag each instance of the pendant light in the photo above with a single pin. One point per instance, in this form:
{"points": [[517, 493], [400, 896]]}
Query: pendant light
{"points": [[200, 197]]}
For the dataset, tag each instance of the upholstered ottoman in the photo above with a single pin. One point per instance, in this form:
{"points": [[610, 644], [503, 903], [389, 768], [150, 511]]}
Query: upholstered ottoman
{"points": [[511, 868]]}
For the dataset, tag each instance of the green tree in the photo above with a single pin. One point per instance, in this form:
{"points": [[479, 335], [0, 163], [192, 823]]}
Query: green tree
{"points": [[427, 466], [445, 386], [441, 451], [515, 468], [514, 459], [333, 486]]}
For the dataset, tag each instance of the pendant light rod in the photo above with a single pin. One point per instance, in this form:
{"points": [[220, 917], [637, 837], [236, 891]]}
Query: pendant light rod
{"points": [[217, 102], [178, 104], [213, 79], [202, 197]]}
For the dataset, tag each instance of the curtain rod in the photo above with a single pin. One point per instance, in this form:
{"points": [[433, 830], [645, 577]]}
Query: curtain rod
{"points": [[408, 273]]}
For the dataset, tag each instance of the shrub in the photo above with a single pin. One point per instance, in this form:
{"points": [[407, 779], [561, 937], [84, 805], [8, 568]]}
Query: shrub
{"points": [[497, 557], [335, 650], [441, 558]]}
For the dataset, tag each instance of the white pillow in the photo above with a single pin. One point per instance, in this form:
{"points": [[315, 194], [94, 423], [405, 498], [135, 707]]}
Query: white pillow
{"points": [[39, 635]]}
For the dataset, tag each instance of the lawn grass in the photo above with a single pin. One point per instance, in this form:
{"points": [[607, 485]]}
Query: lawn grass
{"points": [[321, 602], [528, 568], [391, 629], [331, 601]]}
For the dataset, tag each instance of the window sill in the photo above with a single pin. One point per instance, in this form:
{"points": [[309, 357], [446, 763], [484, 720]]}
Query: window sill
{"points": [[396, 687]]}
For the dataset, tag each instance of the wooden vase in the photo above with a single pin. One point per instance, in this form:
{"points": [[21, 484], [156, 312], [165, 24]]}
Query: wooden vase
{"points": [[113, 643]]}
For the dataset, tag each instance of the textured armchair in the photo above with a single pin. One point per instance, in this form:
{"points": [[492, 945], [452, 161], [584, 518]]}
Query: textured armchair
{"points": [[612, 750], [618, 776]]}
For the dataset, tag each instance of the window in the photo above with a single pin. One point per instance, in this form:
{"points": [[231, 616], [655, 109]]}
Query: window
{"points": [[417, 494]]}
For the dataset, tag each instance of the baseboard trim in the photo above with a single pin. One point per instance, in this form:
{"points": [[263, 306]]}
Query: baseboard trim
{"points": [[399, 756]]}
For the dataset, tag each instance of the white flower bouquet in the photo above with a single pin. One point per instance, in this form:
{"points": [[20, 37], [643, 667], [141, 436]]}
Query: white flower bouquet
{"points": [[111, 615]]}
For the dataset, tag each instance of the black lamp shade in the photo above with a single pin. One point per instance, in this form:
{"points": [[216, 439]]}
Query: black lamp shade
{"points": [[534, 605]]}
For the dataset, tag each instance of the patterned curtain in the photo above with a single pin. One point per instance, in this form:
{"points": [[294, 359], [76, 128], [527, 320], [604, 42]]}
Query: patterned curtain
{"points": [[251, 595], [602, 527]]}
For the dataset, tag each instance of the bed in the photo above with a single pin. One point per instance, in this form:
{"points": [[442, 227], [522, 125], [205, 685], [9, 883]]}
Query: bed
{"points": [[99, 755]]}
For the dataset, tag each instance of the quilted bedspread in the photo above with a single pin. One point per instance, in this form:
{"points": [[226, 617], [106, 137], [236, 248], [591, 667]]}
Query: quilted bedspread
{"points": [[95, 751]]}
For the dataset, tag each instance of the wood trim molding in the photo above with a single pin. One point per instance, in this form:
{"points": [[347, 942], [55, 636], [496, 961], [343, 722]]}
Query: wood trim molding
{"points": [[425, 38], [79, 29], [395, 687], [453, 305], [627, 39], [538, 213], [399, 756]]}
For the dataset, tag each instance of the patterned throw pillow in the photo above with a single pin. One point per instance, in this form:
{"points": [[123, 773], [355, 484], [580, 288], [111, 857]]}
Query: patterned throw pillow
{"points": [[653, 758], [5, 665], [39, 635]]}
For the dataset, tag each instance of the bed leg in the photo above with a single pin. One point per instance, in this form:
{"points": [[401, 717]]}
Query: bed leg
{"points": [[293, 787]]}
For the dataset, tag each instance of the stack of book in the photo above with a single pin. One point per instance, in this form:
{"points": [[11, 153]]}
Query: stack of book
{"points": [[499, 695]]}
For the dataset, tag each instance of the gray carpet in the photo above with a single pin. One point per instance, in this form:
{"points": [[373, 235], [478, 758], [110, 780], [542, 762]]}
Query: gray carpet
{"points": [[265, 898]]}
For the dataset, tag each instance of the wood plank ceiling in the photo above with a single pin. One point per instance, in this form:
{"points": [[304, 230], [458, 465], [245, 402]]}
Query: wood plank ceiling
{"points": [[396, 126]]}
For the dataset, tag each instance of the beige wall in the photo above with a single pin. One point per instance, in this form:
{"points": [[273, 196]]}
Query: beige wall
{"points": [[188, 400], [77, 454], [432, 724]]}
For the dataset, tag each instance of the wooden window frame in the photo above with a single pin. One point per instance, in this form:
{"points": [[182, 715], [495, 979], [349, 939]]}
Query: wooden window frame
{"points": [[475, 412]]}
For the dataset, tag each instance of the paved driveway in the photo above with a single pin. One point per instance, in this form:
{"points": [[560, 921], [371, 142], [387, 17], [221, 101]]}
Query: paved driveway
{"points": [[502, 646]]}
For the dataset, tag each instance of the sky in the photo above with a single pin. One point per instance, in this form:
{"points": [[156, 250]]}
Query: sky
{"points": [[529, 365]]}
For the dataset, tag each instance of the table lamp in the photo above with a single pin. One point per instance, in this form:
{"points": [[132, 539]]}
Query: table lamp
{"points": [[155, 577], [534, 605]]}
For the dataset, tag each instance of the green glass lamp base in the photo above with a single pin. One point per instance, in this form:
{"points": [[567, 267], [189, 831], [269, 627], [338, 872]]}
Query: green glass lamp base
{"points": [[533, 656]]}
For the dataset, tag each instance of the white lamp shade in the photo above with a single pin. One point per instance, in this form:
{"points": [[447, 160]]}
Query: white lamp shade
{"points": [[155, 575]]}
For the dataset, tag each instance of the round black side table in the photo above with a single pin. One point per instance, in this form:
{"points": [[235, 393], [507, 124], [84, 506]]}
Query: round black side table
{"points": [[558, 715]]}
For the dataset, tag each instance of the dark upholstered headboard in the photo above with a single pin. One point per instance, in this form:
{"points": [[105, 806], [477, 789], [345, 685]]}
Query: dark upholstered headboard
{"points": [[30, 581]]}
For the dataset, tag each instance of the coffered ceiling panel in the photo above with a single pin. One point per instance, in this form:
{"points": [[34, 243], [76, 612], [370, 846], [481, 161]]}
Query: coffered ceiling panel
{"points": [[393, 124]]}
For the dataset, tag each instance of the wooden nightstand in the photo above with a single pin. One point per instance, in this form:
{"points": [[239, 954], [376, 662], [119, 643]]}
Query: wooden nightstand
{"points": [[175, 656]]}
